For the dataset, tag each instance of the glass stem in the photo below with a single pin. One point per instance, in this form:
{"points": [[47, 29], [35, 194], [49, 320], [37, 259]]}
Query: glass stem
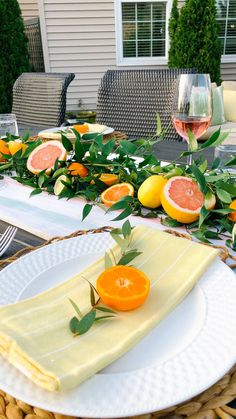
{"points": [[189, 157]]}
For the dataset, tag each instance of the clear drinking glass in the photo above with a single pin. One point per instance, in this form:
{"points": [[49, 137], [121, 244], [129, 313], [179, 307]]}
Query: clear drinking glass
{"points": [[8, 124], [226, 153], [192, 106]]}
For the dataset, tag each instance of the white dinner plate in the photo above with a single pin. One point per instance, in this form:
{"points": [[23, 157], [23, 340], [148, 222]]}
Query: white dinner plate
{"points": [[66, 130], [191, 349]]}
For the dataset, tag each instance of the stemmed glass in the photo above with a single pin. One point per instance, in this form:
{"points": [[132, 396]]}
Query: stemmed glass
{"points": [[192, 106]]}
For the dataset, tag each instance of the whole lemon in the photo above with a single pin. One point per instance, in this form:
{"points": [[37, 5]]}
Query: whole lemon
{"points": [[149, 193]]}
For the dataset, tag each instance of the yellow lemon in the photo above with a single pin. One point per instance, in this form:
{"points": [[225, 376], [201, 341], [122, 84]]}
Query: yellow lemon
{"points": [[149, 193]]}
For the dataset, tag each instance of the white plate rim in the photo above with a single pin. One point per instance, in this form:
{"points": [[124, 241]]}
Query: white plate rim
{"points": [[50, 254], [107, 131]]}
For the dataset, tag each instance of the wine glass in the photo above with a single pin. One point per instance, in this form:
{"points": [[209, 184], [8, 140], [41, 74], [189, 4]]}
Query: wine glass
{"points": [[192, 106], [8, 124]]}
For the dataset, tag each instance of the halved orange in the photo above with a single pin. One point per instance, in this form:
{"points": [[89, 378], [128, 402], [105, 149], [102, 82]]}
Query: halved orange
{"points": [[78, 169], [81, 129], [107, 178], [123, 287], [116, 192], [182, 199]]}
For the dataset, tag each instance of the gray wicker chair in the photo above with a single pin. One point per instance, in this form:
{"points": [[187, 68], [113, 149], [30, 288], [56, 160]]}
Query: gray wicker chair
{"points": [[128, 101], [39, 99]]}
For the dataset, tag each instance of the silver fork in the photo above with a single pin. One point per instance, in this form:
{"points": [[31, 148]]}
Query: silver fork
{"points": [[6, 238]]}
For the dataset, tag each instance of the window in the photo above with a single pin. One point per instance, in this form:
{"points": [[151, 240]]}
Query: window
{"points": [[226, 16], [142, 31]]}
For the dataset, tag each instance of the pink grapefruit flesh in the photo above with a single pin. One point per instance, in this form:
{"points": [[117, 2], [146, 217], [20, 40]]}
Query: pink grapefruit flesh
{"points": [[44, 156]]}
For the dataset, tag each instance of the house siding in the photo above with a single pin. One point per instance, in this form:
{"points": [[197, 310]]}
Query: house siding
{"points": [[29, 8], [79, 37]]}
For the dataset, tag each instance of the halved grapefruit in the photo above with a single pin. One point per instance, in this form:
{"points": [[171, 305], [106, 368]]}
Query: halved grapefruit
{"points": [[182, 199], [45, 155]]}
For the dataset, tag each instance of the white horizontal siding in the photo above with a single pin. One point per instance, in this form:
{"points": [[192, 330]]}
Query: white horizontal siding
{"points": [[29, 8], [228, 71], [80, 37]]}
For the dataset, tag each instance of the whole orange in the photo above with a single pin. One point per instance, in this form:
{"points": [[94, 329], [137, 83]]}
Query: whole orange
{"points": [[78, 169], [232, 215], [3, 149]]}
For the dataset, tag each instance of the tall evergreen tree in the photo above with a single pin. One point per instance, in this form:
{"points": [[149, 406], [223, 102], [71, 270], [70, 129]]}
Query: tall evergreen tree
{"points": [[14, 59], [196, 39], [173, 24]]}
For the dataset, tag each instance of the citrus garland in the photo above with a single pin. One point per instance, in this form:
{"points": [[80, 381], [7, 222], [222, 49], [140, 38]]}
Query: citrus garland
{"points": [[85, 169]]}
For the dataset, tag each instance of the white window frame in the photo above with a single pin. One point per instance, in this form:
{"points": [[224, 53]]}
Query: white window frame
{"points": [[131, 61], [227, 58]]}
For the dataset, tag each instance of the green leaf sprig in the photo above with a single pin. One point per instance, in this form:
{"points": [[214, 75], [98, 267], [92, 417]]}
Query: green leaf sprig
{"points": [[123, 237], [81, 323]]}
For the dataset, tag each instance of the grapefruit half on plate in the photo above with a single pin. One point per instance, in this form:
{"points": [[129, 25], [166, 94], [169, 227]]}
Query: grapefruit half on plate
{"points": [[45, 155], [182, 199]]}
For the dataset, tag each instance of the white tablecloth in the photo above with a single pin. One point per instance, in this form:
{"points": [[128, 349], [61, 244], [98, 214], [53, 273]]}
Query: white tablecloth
{"points": [[47, 216]]}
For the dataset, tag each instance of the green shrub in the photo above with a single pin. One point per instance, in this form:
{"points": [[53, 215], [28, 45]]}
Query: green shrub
{"points": [[194, 40], [14, 59]]}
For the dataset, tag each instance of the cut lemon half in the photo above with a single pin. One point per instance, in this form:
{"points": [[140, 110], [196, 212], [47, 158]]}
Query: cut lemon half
{"points": [[59, 187], [116, 192]]}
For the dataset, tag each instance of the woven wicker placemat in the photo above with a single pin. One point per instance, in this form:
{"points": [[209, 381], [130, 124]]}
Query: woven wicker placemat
{"points": [[211, 404]]}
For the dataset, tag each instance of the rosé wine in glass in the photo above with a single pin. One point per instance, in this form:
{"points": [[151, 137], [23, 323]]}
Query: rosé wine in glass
{"points": [[192, 106], [198, 126]]}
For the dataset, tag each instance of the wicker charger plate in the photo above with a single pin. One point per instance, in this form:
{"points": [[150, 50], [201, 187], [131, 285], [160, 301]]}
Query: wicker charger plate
{"points": [[211, 404]]}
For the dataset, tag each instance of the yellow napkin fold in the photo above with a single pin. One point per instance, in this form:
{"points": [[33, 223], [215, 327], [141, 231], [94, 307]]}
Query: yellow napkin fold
{"points": [[35, 335]]}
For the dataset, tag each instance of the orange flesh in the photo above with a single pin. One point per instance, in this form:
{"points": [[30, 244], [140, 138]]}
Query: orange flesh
{"points": [[186, 194], [123, 287], [45, 159], [117, 194]]}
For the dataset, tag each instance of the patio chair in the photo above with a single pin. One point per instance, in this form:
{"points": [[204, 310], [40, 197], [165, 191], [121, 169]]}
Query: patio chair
{"points": [[129, 100], [39, 99]]}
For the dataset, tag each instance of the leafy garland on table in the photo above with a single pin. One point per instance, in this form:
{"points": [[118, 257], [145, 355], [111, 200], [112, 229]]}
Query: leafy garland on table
{"points": [[95, 155]]}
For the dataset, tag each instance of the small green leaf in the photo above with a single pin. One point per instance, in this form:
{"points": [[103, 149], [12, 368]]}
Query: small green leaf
{"points": [[224, 196], [85, 323], [124, 214], [86, 210], [76, 308], [122, 243], [121, 204], [128, 147], [128, 257], [170, 222], [105, 309], [79, 150], [203, 166], [74, 323], [36, 191], [67, 144], [41, 180], [103, 318], [203, 215], [200, 178], [126, 229], [200, 236]]}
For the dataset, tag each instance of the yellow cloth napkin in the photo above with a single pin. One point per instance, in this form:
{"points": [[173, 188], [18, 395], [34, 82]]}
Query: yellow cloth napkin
{"points": [[35, 335]]}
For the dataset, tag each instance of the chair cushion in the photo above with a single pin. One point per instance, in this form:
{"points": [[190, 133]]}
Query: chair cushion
{"points": [[230, 104], [229, 85], [218, 117]]}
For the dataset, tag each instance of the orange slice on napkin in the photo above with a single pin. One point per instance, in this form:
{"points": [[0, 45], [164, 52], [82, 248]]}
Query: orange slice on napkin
{"points": [[123, 287]]}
